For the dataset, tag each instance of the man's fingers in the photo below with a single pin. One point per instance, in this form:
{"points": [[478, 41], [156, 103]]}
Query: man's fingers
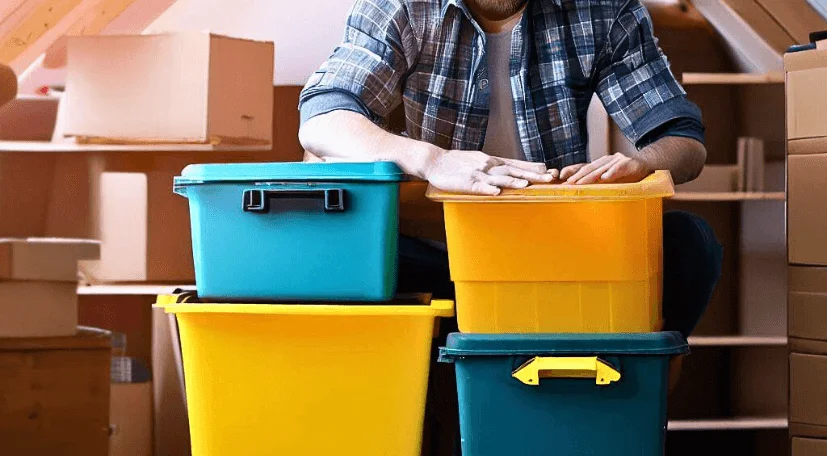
{"points": [[588, 168], [554, 173], [538, 168], [502, 181], [595, 176], [481, 188], [530, 176], [569, 171]]}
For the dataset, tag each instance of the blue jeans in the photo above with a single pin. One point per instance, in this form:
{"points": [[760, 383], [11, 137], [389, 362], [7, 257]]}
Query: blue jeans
{"points": [[692, 260]]}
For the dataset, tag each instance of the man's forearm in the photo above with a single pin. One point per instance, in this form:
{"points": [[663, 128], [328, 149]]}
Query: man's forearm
{"points": [[349, 135], [683, 157]]}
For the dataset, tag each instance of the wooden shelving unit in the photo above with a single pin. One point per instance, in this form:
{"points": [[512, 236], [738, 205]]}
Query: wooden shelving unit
{"points": [[738, 341], [732, 78], [131, 290], [729, 424], [45, 146], [729, 196]]}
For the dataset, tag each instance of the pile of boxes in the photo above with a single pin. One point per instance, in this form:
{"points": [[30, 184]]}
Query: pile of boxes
{"points": [[806, 73]]}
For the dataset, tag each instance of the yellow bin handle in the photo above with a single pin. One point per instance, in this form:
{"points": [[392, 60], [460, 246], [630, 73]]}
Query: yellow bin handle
{"points": [[532, 371]]}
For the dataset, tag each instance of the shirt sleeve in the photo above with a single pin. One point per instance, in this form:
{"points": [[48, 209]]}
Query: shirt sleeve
{"points": [[684, 127], [634, 82], [365, 73]]}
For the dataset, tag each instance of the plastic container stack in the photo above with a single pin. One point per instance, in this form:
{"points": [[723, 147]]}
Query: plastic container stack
{"points": [[295, 344], [558, 294]]}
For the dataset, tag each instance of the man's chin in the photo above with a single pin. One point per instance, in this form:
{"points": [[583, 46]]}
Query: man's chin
{"points": [[499, 10]]}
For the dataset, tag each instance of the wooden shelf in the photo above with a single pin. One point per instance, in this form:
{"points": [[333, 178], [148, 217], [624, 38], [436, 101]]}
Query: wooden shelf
{"points": [[733, 78], [131, 290], [738, 341], [729, 196], [729, 424], [45, 146]]}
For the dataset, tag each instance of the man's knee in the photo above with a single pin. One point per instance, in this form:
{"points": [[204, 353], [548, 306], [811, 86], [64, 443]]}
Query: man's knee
{"points": [[692, 236]]}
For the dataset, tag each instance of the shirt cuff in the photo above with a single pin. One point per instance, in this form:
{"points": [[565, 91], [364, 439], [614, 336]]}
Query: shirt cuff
{"points": [[675, 117], [328, 101]]}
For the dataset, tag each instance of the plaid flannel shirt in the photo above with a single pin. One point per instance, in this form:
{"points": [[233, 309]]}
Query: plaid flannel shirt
{"points": [[430, 56]]}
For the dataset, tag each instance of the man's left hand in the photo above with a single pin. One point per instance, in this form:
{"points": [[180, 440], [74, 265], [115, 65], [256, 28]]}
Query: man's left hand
{"points": [[616, 169]]}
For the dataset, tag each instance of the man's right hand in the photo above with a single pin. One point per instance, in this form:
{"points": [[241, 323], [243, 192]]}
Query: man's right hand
{"points": [[478, 173]]}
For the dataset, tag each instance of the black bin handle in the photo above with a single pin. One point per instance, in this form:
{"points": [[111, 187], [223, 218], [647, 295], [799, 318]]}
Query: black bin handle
{"points": [[258, 200]]}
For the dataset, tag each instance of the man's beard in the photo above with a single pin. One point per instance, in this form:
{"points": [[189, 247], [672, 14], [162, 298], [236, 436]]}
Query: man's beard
{"points": [[497, 10]]}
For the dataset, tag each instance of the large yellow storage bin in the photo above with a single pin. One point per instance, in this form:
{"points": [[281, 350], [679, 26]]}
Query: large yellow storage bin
{"points": [[306, 379], [558, 258]]}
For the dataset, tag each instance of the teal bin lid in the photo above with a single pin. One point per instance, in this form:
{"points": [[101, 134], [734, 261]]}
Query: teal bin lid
{"points": [[467, 345], [289, 172]]}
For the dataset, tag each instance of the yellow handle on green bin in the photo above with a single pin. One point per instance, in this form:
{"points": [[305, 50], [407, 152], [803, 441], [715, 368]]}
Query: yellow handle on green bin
{"points": [[532, 371]]}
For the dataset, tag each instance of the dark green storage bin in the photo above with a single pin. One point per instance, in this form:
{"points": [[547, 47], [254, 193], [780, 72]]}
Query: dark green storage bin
{"points": [[563, 394]]}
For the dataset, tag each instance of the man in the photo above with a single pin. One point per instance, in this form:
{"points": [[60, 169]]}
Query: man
{"points": [[495, 94]]}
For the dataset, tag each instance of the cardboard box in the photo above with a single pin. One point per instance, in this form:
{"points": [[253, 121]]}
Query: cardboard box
{"points": [[172, 432], [38, 309], [8, 84], [131, 418], [47, 259], [55, 395], [714, 178], [809, 447], [797, 17], [807, 209], [28, 118], [807, 392], [188, 87], [807, 302], [806, 86], [144, 230]]}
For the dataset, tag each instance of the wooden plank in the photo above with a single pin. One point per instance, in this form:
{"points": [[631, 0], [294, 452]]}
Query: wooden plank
{"points": [[7, 7], [24, 36], [45, 147], [728, 424], [773, 77], [729, 196]]}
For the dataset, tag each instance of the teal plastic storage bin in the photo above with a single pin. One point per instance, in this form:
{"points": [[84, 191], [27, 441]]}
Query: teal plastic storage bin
{"points": [[563, 395], [294, 231]]}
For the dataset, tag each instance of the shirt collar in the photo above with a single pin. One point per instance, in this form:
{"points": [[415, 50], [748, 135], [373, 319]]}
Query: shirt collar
{"points": [[461, 5]]}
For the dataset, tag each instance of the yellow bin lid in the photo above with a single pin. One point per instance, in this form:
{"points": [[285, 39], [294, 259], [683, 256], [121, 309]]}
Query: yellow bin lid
{"points": [[437, 308], [657, 185]]}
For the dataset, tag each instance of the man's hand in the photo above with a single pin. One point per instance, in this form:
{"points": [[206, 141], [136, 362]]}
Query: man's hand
{"points": [[617, 169], [479, 173]]}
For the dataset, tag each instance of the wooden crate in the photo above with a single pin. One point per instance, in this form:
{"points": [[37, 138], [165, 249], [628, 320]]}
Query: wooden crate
{"points": [[54, 395]]}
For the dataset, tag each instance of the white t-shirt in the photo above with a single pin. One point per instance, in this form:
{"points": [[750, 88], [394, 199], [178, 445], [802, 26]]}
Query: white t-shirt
{"points": [[502, 139]]}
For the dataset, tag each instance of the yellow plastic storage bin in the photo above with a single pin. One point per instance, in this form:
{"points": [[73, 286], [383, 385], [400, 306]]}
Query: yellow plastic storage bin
{"points": [[306, 379], [558, 258]]}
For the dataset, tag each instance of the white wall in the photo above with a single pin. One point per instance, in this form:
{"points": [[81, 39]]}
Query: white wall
{"points": [[305, 31]]}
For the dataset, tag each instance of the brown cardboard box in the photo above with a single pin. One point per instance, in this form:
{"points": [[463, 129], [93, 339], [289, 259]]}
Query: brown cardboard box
{"points": [[48, 259], [170, 88], [807, 302], [806, 87], [55, 395], [131, 417], [8, 84], [28, 118], [809, 447], [172, 432], [763, 24], [807, 392], [38, 309], [144, 230], [797, 17], [807, 209]]}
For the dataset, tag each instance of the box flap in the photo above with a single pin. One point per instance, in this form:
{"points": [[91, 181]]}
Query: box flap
{"points": [[660, 343], [47, 259], [297, 171], [657, 185]]}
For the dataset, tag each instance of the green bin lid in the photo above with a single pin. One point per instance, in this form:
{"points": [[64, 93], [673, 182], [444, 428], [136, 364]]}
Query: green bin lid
{"points": [[467, 345], [292, 171]]}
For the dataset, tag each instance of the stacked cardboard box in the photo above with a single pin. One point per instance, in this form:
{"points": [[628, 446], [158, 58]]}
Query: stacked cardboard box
{"points": [[38, 285], [806, 86]]}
